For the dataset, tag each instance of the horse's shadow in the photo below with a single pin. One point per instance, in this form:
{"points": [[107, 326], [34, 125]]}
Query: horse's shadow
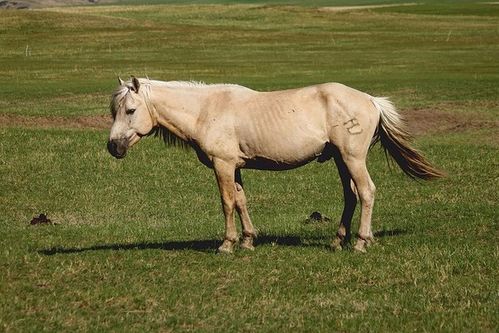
{"points": [[205, 245]]}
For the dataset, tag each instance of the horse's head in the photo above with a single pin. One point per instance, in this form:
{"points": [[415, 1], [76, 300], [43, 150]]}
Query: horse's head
{"points": [[132, 117]]}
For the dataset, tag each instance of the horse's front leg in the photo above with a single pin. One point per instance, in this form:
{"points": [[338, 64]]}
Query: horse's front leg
{"points": [[224, 172], [249, 232]]}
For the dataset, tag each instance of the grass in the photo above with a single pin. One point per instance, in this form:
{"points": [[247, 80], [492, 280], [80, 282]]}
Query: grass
{"points": [[378, 53], [134, 245]]}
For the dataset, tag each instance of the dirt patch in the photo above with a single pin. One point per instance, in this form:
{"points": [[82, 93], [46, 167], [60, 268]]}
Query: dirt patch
{"points": [[82, 122], [419, 121], [28, 4], [427, 121], [14, 5], [349, 8]]}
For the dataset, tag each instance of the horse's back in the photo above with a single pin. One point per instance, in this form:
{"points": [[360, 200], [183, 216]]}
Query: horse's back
{"points": [[284, 128]]}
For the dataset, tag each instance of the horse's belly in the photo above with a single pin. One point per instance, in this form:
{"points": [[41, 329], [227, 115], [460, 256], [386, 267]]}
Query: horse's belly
{"points": [[286, 153]]}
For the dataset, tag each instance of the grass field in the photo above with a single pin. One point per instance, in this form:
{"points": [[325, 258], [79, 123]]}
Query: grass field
{"points": [[133, 244]]}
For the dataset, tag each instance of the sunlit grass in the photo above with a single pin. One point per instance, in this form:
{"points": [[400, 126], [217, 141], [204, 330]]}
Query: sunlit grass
{"points": [[133, 244]]}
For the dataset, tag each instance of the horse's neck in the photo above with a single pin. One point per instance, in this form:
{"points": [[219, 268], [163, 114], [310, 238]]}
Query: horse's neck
{"points": [[177, 109]]}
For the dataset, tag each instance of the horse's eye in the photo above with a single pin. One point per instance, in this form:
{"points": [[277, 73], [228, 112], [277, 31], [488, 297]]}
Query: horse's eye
{"points": [[130, 111]]}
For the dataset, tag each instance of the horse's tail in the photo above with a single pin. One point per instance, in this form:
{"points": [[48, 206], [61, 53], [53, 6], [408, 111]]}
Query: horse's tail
{"points": [[397, 141]]}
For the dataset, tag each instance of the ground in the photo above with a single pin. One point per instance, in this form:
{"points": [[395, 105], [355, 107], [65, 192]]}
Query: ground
{"points": [[131, 245]]}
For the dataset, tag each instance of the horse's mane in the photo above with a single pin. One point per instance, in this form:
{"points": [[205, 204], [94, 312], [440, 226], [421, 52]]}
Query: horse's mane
{"points": [[187, 84], [168, 137], [117, 99]]}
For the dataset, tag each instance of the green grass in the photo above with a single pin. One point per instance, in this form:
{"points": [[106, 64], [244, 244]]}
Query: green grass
{"points": [[134, 245], [76, 54]]}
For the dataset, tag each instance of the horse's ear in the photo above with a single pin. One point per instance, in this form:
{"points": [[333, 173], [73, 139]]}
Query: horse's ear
{"points": [[120, 81], [136, 84]]}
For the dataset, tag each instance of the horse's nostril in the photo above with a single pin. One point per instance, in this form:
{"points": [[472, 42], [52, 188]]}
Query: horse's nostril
{"points": [[116, 148], [111, 147]]}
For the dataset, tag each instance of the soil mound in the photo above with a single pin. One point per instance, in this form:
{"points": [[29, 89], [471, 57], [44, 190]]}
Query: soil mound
{"points": [[14, 5]]}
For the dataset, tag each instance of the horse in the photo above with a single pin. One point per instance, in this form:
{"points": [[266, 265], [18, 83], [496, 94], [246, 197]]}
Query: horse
{"points": [[232, 127]]}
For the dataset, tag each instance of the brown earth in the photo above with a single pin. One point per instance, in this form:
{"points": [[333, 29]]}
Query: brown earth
{"points": [[28, 4], [14, 5], [427, 121], [350, 8], [82, 122], [420, 121]]}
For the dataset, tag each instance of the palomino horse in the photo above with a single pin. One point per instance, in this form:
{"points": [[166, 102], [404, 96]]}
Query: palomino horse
{"points": [[232, 127]]}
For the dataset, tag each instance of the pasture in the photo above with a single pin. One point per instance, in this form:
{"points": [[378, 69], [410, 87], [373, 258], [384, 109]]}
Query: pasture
{"points": [[132, 244]]}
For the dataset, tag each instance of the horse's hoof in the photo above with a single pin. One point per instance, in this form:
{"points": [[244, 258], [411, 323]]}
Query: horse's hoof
{"points": [[247, 244], [227, 247], [336, 245], [224, 250], [360, 246], [370, 242]]}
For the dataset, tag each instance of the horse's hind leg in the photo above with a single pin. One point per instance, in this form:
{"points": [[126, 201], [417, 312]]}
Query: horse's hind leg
{"points": [[248, 230], [365, 188], [350, 201]]}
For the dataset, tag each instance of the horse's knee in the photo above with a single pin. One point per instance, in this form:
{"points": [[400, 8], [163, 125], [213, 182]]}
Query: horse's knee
{"points": [[228, 203], [366, 194]]}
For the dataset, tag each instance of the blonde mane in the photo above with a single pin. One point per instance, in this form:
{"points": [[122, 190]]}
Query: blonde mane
{"points": [[186, 84]]}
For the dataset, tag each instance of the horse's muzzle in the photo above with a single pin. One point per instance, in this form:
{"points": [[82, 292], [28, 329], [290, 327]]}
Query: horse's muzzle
{"points": [[117, 148]]}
